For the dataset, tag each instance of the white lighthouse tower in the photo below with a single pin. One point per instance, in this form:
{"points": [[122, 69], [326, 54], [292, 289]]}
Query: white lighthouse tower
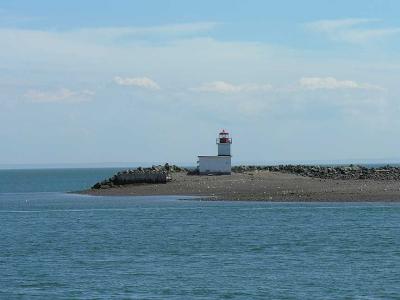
{"points": [[220, 164]]}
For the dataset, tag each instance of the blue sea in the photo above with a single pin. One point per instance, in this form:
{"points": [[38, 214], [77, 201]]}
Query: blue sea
{"points": [[57, 245]]}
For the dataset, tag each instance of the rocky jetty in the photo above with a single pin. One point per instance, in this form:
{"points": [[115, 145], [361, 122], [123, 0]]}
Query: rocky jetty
{"points": [[330, 172], [153, 175]]}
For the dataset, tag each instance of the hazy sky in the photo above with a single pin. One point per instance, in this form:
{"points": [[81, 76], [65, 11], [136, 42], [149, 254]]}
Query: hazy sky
{"points": [[118, 81]]}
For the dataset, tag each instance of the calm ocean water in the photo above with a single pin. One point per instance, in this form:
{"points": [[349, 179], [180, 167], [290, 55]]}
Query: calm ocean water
{"points": [[56, 245]]}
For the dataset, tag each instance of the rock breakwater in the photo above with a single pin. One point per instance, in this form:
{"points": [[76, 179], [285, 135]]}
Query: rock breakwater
{"points": [[154, 175], [330, 172]]}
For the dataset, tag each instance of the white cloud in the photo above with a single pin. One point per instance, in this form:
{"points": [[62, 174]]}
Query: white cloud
{"points": [[169, 30], [61, 95], [331, 83], [226, 88], [332, 25], [113, 36], [184, 63], [351, 30], [141, 82], [361, 36], [101, 36]]}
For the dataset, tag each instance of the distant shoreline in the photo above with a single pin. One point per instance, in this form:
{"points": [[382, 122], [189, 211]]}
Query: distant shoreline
{"points": [[124, 165], [264, 185]]}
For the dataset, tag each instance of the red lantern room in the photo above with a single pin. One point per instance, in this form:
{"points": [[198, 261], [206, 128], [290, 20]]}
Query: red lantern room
{"points": [[224, 138]]}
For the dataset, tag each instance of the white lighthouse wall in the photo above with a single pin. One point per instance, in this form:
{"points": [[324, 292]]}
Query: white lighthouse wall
{"points": [[215, 165], [224, 149]]}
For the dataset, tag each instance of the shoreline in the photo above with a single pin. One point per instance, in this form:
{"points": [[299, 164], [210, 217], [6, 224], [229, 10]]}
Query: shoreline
{"points": [[262, 185], [211, 199]]}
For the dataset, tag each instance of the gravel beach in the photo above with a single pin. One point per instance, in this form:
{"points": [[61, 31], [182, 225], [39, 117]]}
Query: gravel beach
{"points": [[264, 185]]}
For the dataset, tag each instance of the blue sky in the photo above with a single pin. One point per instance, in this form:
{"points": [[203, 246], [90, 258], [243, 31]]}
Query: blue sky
{"points": [[133, 81]]}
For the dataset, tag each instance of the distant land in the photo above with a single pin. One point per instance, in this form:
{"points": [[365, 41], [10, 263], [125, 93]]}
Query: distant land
{"points": [[82, 165], [382, 161]]}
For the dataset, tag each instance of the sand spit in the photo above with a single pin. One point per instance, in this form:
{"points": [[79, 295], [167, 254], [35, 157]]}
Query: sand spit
{"points": [[265, 185]]}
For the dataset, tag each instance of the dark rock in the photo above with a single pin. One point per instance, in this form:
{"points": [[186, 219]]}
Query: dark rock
{"points": [[193, 172], [155, 174]]}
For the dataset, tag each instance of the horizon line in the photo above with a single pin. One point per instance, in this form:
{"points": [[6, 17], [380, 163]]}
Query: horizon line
{"points": [[95, 165]]}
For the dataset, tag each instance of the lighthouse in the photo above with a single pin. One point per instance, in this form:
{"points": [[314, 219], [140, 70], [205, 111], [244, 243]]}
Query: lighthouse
{"points": [[224, 144], [218, 164]]}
